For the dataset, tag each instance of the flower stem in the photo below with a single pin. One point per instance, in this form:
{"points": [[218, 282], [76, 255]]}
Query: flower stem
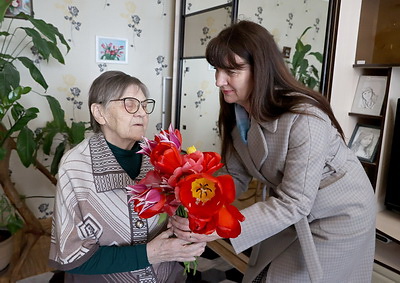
{"points": [[181, 211]]}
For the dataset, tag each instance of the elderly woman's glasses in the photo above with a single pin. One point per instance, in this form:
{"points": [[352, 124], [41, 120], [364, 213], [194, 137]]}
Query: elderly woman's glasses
{"points": [[132, 104]]}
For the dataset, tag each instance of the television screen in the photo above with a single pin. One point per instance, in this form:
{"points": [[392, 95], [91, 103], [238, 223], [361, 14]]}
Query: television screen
{"points": [[392, 199]]}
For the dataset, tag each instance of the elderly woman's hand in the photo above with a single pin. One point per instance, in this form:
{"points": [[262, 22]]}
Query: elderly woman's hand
{"points": [[164, 248], [180, 227]]}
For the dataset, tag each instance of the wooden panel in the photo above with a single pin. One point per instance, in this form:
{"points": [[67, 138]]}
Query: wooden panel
{"points": [[225, 250]]}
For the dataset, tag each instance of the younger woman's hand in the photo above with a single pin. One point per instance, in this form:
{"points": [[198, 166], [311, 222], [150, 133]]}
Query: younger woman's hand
{"points": [[180, 227]]}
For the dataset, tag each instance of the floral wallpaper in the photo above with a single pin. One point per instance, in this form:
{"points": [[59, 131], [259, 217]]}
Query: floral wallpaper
{"points": [[285, 19], [200, 99], [147, 27]]}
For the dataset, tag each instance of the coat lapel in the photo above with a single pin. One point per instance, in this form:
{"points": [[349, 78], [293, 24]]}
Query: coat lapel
{"points": [[256, 151]]}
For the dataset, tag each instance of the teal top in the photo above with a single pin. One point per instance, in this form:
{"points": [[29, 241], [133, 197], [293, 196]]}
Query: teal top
{"points": [[115, 259]]}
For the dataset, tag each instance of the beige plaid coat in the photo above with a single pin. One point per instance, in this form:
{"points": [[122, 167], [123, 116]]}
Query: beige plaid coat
{"points": [[318, 225]]}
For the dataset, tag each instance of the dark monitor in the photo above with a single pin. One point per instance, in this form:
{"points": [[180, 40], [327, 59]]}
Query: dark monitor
{"points": [[392, 199]]}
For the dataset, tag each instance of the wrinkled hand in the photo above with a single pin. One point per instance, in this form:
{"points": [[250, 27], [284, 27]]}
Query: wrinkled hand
{"points": [[163, 248], [180, 227]]}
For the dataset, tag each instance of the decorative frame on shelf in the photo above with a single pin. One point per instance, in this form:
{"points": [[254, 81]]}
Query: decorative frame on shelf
{"points": [[369, 96], [364, 141], [16, 7], [111, 50]]}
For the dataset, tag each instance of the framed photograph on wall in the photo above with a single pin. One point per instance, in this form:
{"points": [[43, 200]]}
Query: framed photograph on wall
{"points": [[369, 96], [364, 141], [111, 50], [18, 6]]}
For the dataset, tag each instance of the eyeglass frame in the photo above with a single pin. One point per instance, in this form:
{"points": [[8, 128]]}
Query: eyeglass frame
{"points": [[139, 105]]}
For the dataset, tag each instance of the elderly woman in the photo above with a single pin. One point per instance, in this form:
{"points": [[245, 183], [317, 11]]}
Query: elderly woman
{"points": [[97, 236]]}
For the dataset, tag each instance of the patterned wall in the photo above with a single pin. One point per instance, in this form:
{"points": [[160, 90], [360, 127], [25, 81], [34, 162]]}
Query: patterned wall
{"points": [[145, 26], [285, 19]]}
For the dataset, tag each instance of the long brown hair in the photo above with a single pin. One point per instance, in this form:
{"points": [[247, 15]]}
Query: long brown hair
{"points": [[272, 79]]}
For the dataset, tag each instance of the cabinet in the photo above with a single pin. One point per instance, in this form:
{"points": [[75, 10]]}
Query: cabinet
{"points": [[377, 54], [379, 33], [371, 165], [387, 222]]}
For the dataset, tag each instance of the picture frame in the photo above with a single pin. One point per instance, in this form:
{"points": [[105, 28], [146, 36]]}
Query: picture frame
{"points": [[111, 50], [364, 141], [16, 7], [369, 96]]}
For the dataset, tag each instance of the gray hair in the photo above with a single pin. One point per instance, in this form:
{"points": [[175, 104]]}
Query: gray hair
{"points": [[110, 85]]}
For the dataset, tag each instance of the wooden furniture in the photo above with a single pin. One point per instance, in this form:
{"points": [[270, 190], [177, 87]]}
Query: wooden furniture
{"points": [[222, 247], [35, 259], [371, 167], [387, 223], [377, 53]]}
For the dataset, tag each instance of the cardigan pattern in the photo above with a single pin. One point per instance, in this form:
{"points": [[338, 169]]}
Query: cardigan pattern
{"points": [[95, 212]]}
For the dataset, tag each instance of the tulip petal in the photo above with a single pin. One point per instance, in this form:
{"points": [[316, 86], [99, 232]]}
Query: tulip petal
{"points": [[228, 226]]}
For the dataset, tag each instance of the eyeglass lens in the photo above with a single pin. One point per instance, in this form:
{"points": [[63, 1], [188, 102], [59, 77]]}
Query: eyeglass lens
{"points": [[132, 105]]}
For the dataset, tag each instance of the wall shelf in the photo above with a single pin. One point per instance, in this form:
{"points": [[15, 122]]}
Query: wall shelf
{"points": [[388, 222], [387, 254], [380, 117]]}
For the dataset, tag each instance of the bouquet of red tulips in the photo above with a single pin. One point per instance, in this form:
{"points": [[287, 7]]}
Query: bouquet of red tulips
{"points": [[182, 183]]}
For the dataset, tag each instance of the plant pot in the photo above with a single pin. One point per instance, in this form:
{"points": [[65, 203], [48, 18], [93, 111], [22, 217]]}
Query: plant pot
{"points": [[6, 248]]}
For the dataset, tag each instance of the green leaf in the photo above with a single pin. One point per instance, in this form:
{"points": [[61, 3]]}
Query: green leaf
{"points": [[58, 113], [17, 111], [317, 56], [40, 43], [9, 78], [4, 4], [49, 132], [13, 96], [30, 114], [34, 71], [3, 153], [57, 158], [304, 32], [56, 53], [77, 133], [26, 146], [4, 33], [50, 31], [312, 82], [15, 223]]}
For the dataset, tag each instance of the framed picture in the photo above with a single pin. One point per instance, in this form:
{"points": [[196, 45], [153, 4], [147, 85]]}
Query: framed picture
{"points": [[111, 50], [18, 6], [364, 141], [369, 96]]}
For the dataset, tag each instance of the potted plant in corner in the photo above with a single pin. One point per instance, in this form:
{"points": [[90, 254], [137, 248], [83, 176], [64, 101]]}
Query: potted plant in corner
{"points": [[301, 68], [10, 223], [15, 133]]}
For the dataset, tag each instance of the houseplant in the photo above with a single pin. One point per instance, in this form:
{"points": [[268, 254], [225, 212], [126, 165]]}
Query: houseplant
{"points": [[15, 133], [300, 66], [10, 223]]}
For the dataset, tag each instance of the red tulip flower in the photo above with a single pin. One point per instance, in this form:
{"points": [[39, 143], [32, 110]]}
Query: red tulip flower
{"points": [[185, 179], [207, 200]]}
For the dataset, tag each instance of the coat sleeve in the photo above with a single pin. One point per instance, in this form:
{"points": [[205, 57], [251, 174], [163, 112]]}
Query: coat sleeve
{"points": [[307, 146]]}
